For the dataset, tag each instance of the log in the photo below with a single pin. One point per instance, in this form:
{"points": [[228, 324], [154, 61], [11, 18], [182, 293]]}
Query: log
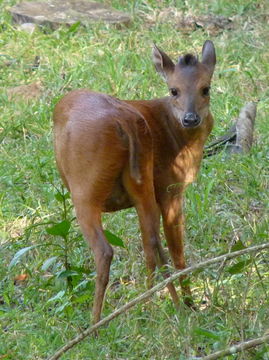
{"points": [[239, 137]]}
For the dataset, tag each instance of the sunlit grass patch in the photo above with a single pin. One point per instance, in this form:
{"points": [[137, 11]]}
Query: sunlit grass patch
{"points": [[227, 205]]}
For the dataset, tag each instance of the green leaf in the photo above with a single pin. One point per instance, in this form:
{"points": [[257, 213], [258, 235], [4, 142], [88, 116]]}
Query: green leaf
{"points": [[62, 197], [58, 296], [60, 229], [207, 333], [238, 246], [48, 263], [113, 239], [3, 311], [19, 254], [84, 284], [66, 273], [74, 27], [186, 282], [230, 69], [209, 187], [82, 298], [61, 308], [239, 267]]}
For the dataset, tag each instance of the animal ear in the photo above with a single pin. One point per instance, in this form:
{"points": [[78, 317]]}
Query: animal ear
{"points": [[209, 55], [163, 64]]}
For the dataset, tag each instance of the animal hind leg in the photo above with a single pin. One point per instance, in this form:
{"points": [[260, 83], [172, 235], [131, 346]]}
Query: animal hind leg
{"points": [[89, 218]]}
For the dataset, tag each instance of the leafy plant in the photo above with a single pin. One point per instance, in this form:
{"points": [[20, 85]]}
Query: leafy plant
{"points": [[226, 208]]}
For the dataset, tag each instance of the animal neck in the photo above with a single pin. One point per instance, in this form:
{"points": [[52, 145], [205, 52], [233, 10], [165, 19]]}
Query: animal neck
{"points": [[178, 136], [169, 135]]}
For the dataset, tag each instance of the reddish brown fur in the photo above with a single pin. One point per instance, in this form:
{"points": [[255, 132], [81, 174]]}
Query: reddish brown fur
{"points": [[115, 154]]}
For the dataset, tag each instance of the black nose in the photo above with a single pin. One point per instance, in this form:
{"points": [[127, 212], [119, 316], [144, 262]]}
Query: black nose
{"points": [[191, 119]]}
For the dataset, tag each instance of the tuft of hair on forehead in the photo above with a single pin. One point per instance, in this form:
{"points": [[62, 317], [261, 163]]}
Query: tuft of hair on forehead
{"points": [[188, 60]]}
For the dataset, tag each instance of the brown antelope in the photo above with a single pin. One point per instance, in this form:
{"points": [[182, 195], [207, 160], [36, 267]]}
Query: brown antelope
{"points": [[114, 154]]}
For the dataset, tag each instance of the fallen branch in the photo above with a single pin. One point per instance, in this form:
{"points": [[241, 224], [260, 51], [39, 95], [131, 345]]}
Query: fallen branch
{"points": [[146, 295], [238, 348], [239, 138]]}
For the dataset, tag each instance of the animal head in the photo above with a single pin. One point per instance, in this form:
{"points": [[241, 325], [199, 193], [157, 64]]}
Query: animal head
{"points": [[189, 83]]}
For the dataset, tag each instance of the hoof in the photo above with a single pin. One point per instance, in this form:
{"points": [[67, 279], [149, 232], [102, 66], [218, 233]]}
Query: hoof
{"points": [[188, 301]]}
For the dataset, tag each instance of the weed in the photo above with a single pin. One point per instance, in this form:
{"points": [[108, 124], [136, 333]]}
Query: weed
{"points": [[226, 207]]}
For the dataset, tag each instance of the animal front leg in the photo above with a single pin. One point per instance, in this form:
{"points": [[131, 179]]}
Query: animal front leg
{"points": [[149, 218], [154, 253], [173, 223]]}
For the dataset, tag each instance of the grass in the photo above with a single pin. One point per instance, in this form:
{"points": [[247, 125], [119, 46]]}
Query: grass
{"points": [[227, 205]]}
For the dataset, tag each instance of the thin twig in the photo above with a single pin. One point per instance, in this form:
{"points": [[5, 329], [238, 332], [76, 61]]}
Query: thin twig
{"points": [[238, 348], [146, 295]]}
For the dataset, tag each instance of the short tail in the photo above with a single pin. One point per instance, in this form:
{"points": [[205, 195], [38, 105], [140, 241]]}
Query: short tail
{"points": [[136, 134], [133, 132], [134, 155]]}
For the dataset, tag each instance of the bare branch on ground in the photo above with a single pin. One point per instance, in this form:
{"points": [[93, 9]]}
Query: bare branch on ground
{"points": [[238, 348], [147, 295]]}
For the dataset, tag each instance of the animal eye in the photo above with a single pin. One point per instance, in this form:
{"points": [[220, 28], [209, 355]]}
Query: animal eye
{"points": [[206, 91], [174, 92]]}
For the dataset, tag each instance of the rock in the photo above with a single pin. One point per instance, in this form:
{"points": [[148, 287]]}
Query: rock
{"points": [[187, 22], [213, 24], [27, 27], [59, 12]]}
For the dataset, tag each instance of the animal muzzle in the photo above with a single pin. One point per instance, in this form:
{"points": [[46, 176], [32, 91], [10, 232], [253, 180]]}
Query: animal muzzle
{"points": [[191, 119]]}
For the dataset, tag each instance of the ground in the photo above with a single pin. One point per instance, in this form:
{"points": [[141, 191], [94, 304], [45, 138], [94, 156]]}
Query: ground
{"points": [[226, 208]]}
